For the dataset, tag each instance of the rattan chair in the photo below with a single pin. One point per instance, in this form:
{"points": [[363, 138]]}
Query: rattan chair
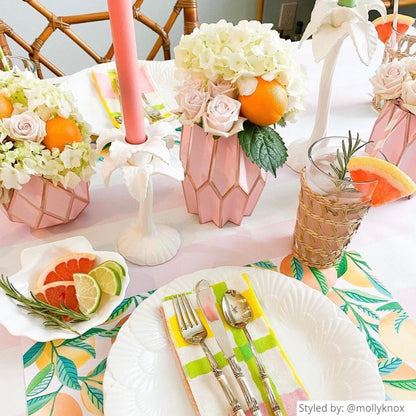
{"points": [[63, 23]]}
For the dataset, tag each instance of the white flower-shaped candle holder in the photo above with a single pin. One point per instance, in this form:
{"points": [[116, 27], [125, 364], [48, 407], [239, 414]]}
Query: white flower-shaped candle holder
{"points": [[144, 242], [332, 21]]}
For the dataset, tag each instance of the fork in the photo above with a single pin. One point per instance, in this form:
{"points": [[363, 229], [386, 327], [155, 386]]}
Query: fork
{"points": [[194, 332]]}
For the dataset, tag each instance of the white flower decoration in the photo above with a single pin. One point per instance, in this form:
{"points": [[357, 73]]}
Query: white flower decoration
{"points": [[331, 22]]}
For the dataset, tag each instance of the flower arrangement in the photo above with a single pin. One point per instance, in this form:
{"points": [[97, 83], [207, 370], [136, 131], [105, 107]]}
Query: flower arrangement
{"points": [[29, 104], [240, 79], [397, 80]]}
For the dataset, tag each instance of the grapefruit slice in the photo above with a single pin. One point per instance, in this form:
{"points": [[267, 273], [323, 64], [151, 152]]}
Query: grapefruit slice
{"points": [[384, 28], [63, 268], [392, 182], [58, 294]]}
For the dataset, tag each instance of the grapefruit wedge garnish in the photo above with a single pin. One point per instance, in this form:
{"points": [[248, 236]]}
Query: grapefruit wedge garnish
{"points": [[63, 268], [58, 294], [392, 182], [384, 27]]}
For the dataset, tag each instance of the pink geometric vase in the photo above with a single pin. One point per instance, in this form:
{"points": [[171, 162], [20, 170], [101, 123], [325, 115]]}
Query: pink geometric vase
{"points": [[394, 137], [41, 204], [221, 183]]}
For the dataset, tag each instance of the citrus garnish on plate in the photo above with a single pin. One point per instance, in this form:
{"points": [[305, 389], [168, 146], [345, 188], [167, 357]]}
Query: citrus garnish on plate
{"points": [[392, 182], [64, 267], [384, 28], [108, 279], [88, 293], [115, 266]]}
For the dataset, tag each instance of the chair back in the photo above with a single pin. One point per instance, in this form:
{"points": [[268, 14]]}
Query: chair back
{"points": [[64, 23]]}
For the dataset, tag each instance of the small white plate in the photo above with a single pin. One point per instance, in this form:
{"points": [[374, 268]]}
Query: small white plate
{"points": [[33, 260], [329, 353]]}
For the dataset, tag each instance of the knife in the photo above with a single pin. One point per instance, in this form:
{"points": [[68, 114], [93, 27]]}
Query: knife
{"points": [[206, 301]]}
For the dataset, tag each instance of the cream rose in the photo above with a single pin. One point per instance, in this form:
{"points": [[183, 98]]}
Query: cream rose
{"points": [[25, 126], [221, 87], [388, 80], [222, 116], [410, 64], [409, 95], [192, 104]]}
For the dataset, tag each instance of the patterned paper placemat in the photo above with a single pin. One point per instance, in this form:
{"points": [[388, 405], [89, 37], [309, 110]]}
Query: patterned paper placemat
{"points": [[64, 377]]}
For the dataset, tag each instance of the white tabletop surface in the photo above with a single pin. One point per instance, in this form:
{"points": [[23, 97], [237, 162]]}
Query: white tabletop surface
{"points": [[386, 238]]}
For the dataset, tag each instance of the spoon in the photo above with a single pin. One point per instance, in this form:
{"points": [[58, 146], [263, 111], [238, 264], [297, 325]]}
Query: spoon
{"points": [[238, 313]]}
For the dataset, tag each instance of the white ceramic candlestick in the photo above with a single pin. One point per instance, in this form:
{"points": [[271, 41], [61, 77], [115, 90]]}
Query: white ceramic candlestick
{"points": [[298, 150], [144, 242], [331, 22]]}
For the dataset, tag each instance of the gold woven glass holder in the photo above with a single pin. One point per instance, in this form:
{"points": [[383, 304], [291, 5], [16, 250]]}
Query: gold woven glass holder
{"points": [[324, 227]]}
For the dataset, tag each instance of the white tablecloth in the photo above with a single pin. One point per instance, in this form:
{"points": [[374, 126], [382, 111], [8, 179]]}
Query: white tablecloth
{"points": [[386, 238]]}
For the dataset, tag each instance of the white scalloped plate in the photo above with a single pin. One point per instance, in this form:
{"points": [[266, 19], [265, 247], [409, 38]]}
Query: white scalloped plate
{"points": [[329, 353], [33, 261]]}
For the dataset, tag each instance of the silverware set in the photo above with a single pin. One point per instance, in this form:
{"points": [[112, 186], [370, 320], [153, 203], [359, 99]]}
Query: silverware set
{"points": [[237, 313]]}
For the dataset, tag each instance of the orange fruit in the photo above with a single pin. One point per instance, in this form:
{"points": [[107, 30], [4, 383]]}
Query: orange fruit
{"points": [[64, 267], [392, 182], [63, 405], [57, 294], [401, 343], [59, 132], [384, 28], [266, 105], [6, 107]]}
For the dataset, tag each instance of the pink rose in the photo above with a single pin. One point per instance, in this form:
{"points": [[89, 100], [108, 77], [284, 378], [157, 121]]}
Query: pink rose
{"points": [[25, 126], [222, 116], [409, 95], [192, 104], [389, 79], [221, 87]]}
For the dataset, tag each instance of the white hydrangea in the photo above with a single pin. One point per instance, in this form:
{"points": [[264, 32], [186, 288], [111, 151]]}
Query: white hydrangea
{"points": [[20, 159], [240, 52]]}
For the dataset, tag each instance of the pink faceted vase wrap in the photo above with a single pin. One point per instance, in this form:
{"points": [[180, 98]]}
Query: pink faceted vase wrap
{"points": [[394, 137], [221, 183], [41, 204]]}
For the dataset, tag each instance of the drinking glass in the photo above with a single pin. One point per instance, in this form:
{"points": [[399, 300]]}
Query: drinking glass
{"points": [[330, 209], [19, 63]]}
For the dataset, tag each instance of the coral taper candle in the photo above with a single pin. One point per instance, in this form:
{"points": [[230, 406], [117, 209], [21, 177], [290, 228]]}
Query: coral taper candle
{"points": [[124, 41]]}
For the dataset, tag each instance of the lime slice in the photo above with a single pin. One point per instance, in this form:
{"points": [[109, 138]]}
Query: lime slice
{"points": [[88, 293], [108, 279], [115, 266]]}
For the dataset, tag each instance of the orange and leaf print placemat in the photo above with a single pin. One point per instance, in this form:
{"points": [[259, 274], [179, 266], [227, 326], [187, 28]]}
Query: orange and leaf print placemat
{"points": [[64, 377]]}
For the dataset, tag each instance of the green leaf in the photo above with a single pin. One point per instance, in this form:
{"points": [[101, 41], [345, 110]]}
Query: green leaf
{"points": [[67, 372], [399, 320], [341, 267], [33, 353], [263, 146], [99, 369], [391, 306], [367, 311], [91, 332], [403, 384], [321, 279], [265, 265], [41, 381], [389, 365], [297, 268], [120, 309], [111, 333], [376, 347], [361, 296], [33, 405], [96, 396]]}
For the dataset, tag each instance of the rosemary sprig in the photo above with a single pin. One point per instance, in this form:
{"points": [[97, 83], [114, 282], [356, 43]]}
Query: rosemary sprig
{"points": [[347, 152], [53, 316]]}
